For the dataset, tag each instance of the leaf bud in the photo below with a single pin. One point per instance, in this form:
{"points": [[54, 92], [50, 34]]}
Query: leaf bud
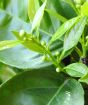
{"points": [[57, 69], [21, 33]]}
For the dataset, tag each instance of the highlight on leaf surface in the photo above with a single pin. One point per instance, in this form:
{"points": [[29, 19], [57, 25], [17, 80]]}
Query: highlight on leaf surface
{"points": [[8, 44], [38, 16]]}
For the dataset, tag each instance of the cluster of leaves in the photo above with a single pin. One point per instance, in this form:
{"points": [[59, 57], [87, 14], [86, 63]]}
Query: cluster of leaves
{"points": [[43, 52]]}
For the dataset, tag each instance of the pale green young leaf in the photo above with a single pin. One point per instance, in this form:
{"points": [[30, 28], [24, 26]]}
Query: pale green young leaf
{"points": [[8, 44], [73, 36], [84, 79], [84, 9], [34, 45], [38, 16], [30, 42], [33, 6], [63, 29], [76, 69]]}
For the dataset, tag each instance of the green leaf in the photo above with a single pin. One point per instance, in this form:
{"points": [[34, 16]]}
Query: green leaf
{"points": [[57, 15], [41, 88], [84, 79], [63, 29], [33, 6], [73, 36], [76, 69], [84, 9], [8, 44], [6, 72], [71, 3], [30, 42], [38, 16]]}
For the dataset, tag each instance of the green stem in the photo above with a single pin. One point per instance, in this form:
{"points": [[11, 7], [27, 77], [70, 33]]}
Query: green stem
{"points": [[78, 51], [83, 46], [61, 56], [53, 59], [37, 33]]}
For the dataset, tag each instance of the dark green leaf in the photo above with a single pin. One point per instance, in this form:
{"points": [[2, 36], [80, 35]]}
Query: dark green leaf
{"points": [[6, 72], [41, 88], [57, 15]]}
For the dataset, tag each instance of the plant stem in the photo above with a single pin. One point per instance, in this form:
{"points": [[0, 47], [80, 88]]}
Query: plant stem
{"points": [[78, 51], [83, 46], [61, 56], [53, 59]]}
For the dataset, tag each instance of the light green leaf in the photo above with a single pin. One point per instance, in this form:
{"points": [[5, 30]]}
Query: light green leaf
{"points": [[73, 36], [76, 69], [63, 29], [8, 44], [33, 6], [38, 16], [41, 87], [84, 79], [30, 42], [84, 9]]}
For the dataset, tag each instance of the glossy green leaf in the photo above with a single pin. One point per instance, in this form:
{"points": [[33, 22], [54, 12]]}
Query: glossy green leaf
{"points": [[76, 69], [33, 6], [41, 88], [38, 16], [63, 29], [84, 79], [8, 44], [62, 8], [73, 36]]}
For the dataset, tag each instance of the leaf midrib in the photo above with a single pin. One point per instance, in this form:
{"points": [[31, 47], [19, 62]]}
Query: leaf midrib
{"points": [[57, 92]]}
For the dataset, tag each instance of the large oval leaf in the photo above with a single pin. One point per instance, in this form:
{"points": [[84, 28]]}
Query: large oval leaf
{"points": [[41, 88]]}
